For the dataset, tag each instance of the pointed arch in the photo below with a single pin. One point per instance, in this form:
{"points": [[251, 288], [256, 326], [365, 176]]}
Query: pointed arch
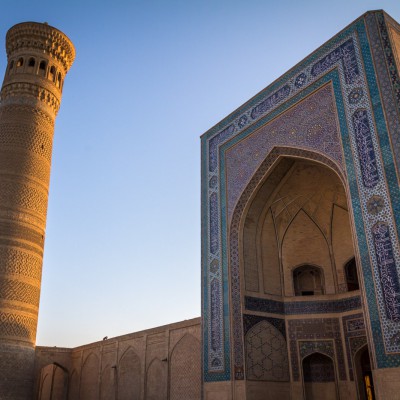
{"points": [[318, 367], [107, 383], [262, 178], [60, 383], [156, 382], [45, 387], [185, 369], [129, 375], [363, 370], [89, 386], [73, 391]]}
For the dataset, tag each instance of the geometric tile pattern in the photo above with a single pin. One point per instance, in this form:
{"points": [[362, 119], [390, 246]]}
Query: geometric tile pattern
{"points": [[305, 331], [320, 346], [389, 80], [310, 124], [345, 61], [356, 343], [303, 307], [266, 354], [387, 270], [384, 328], [250, 320]]}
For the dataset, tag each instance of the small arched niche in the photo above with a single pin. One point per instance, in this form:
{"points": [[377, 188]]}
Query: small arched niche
{"points": [[31, 63], [52, 73], [308, 281], [42, 68], [58, 83], [20, 63], [319, 377]]}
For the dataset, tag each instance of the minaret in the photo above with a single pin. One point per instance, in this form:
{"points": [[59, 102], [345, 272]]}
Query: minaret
{"points": [[39, 57]]}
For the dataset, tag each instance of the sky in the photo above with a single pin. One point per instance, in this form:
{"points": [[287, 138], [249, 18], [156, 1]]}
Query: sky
{"points": [[122, 250]]}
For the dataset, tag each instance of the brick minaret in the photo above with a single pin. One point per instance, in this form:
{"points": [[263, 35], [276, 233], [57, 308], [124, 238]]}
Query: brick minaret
{"points": [[39, 57]]}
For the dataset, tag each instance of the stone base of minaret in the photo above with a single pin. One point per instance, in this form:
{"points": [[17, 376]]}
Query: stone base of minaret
{"points": [[16, 371]]}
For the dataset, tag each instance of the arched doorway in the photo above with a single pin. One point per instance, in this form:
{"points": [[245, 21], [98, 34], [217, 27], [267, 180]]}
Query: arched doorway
{"points": [[351, 275], [319, 377], [364, 374], [53, 383]]}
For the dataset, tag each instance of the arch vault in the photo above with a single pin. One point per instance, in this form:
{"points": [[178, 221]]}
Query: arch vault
{"points": [[300, 224]]}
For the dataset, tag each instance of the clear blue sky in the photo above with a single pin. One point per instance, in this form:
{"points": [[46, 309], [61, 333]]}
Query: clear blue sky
{"points": [[123, 231]]}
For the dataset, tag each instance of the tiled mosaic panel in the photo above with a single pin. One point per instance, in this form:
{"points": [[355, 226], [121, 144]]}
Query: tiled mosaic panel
{"points": [[316, 346], [302, 307], [387, 74], [342, 53], [250, 320], [316, 329], [387, 270], [266, 354], [383, 322], [354, 333], [365, 148], [311, 124]]}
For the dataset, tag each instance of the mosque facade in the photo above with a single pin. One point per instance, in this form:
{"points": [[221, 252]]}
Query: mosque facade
{"points": [[300, 237]]}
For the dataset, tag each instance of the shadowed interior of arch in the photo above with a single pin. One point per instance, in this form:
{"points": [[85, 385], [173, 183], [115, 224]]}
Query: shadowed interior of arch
{"points": [[296, 251], [296, 234]]}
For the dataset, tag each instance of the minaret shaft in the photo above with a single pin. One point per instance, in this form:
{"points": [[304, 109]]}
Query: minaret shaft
{"points": [[39, 57]]}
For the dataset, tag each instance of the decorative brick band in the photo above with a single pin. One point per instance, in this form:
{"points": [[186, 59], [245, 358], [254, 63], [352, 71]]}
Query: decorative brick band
{"points": [[17, 326], [302, 307]]}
